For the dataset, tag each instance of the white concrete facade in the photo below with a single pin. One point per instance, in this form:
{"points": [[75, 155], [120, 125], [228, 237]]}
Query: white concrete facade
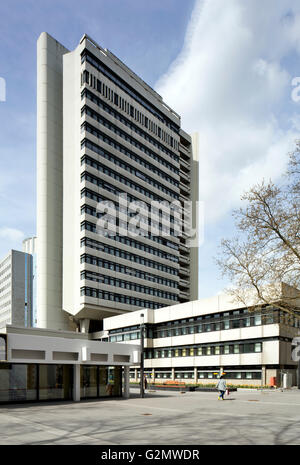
{"points": [[41, 346], [66, 293], [273, 340]]}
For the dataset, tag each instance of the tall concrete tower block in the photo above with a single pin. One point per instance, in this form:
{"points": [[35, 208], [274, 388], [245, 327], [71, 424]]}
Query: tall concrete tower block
{"points": [[49, 182]]}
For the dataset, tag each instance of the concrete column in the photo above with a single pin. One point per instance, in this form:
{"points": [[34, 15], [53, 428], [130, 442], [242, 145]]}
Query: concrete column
{"points": [[195, 375], [263, 375], [84, 325], [76, 383], [153, 376], [50, 183], [173, 374], [126, 382]]}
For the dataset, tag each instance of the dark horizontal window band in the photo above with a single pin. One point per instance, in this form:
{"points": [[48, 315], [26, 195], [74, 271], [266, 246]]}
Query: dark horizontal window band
{"points": [[121, 148], [107, 264], [96, 63], [134, 244], [98, 277], [130, 154], [133, 155], [138, 259], [223, 321], [120, 298], [98, 198], [118, 223], [126, 107], [118, 116], [116, 267], [230, 342], [129, 286], [205, 350], [120, 178], [130, 169], [188, 373]]}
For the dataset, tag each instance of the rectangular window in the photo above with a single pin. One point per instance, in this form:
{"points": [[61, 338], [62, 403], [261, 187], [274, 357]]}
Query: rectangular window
{"points": [[226, 324], [235, 323], [226, 349], [257, 320], [257, 347], [246, 322]]}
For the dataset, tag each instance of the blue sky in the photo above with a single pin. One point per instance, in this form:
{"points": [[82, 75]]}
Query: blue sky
{"points": [[226, 67]]}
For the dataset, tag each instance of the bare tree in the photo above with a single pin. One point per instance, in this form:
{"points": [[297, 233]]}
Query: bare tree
{"points": [[263, 259]]}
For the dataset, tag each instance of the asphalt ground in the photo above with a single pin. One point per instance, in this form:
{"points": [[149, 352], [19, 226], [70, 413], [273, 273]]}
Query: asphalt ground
{"points": [[162, 417]]}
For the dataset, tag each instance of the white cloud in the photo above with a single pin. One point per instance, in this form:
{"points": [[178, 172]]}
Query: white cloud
{"points": [[11, 235], [232, 84]]}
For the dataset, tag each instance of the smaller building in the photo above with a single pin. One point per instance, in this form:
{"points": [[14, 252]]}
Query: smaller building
{"points": [[16, 289], [196, 341], [30, 247], [38, 364]]}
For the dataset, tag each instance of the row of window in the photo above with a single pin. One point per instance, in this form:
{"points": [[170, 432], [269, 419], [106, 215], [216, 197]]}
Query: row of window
{"points": [[111, 230], [133, 127], [121, 163], [204, 350], [124, 105], [4, 264], [127, 256], [6, 286], [110, 224], [114, 175], [124, 180], [93, 244], [131, 286], [4, 272], [98, 277], [119, 298], [101, 263], [201, 375], [226, 320], [255, 320], [130, 198], [3, 297], [86, 56], [167, 212], [136, 273], [5, 279]]}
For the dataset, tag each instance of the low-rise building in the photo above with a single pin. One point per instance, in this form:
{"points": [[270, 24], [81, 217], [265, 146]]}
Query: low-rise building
{"points": [[39, 364], [195, 341]]}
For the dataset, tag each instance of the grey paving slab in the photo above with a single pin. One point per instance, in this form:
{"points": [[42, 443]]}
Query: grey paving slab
{"points": [[158, 419]]}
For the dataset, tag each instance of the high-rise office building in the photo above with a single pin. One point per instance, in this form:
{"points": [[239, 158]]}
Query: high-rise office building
{"points": [[109, 149]]}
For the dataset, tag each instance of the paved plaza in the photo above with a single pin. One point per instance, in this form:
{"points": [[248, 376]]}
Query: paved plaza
{"points": [[172, 418]]}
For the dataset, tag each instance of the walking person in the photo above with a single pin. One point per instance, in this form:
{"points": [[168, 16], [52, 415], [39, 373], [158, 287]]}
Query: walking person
{"points": [[145, 382], [221, 386]]}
